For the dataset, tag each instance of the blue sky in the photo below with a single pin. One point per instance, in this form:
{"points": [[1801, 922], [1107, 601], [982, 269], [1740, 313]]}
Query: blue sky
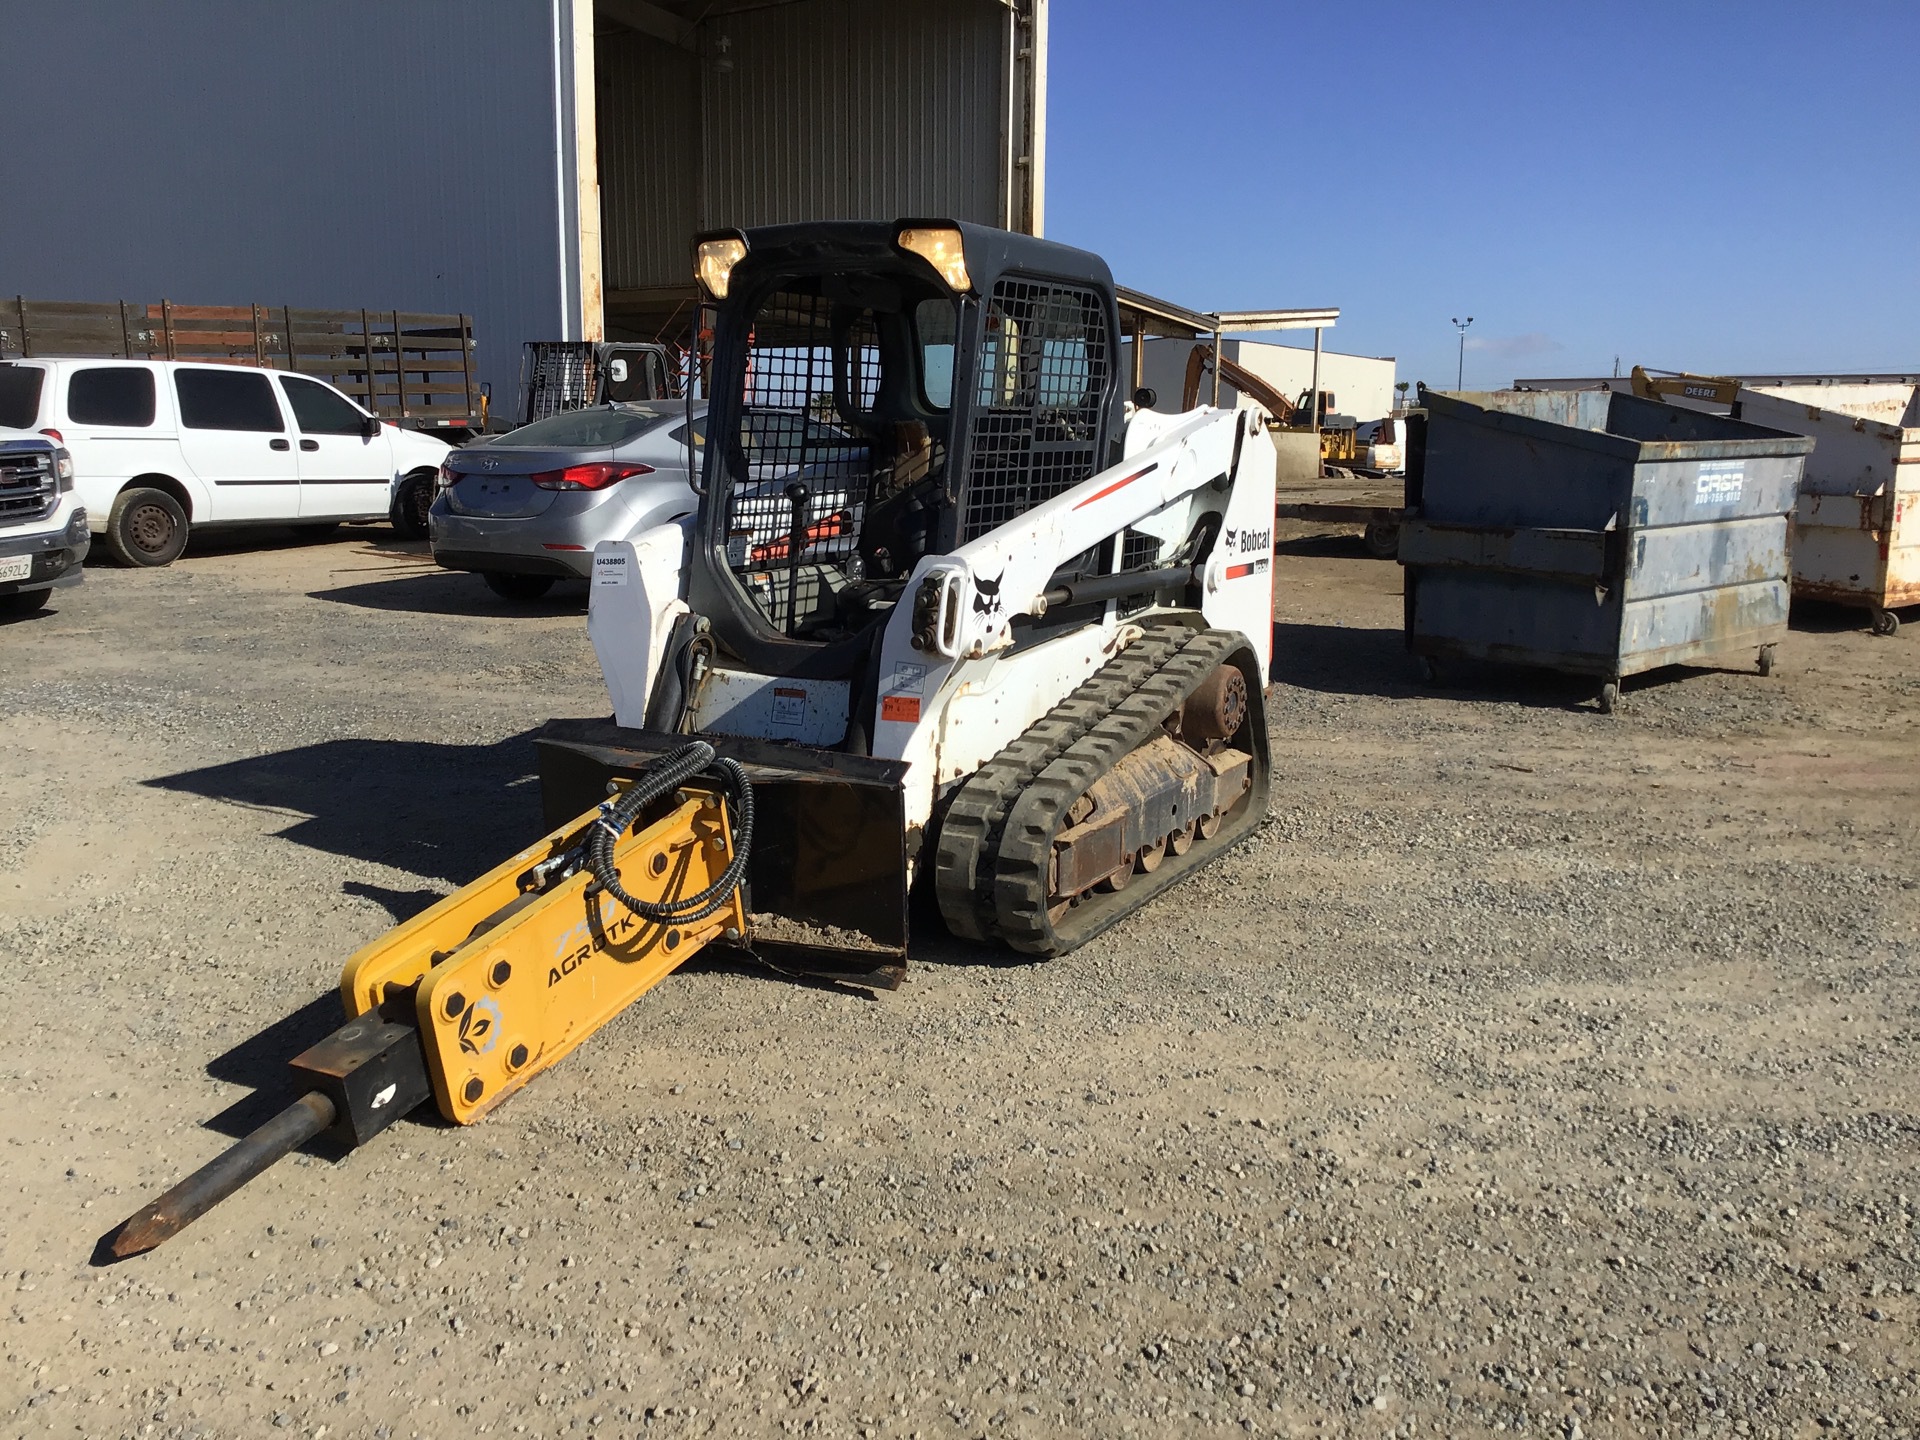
{"points": [[1715, 187]]}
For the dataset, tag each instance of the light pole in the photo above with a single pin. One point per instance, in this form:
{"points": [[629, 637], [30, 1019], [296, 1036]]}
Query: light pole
{"points": [[1459, 378]]}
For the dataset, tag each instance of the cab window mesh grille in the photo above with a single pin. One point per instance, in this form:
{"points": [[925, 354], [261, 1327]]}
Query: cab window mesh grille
{"points": [[791, 434], [1043, 379]]}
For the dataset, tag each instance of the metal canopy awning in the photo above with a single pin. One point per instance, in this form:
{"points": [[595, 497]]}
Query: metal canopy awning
{"points": [[1248, 322], [1152, 316], [1144, 315]]}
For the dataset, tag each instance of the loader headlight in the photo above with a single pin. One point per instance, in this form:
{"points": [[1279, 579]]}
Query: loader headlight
{"points": [[716, 259], [940, 247]]}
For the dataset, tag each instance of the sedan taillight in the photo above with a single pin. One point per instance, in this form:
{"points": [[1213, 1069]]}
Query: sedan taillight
{"points": [[597, 476], [448, 475]]}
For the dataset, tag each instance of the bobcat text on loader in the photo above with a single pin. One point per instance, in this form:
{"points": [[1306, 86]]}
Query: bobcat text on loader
{"points": [[952, 615]]}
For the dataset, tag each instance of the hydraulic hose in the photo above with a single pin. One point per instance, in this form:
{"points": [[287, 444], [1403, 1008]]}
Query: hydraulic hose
{"points": [[618, 815]]}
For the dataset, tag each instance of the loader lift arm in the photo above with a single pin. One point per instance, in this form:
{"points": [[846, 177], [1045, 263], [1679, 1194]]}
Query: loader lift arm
{"points": [[471, 999]]}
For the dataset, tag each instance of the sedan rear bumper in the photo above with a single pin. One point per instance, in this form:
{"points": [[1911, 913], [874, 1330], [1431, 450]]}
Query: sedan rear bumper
{"points": [[505, 562], [516, 546]]}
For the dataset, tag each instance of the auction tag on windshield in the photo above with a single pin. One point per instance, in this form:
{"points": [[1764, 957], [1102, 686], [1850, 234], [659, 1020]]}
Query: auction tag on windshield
{"points": [[609, 569]]}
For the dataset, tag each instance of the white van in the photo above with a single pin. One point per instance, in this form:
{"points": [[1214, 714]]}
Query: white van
{"points": [[161, 445]]}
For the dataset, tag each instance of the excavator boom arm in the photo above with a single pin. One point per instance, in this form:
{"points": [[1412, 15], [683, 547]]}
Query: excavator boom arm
{"points": [[1241, 378], [1719, 389]]}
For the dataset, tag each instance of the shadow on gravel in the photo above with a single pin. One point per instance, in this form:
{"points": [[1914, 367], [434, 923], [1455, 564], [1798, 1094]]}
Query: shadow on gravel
{"points": [[260, 1063], [442, 812], [402, 905], [725, 960], [1342, 546], [1819, 618], [1349, 660], [27, 617], [452, 592], [228, 541]]}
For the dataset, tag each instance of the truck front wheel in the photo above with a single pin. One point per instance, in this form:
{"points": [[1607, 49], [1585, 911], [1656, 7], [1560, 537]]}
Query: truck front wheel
{"points": [[146, 527]]}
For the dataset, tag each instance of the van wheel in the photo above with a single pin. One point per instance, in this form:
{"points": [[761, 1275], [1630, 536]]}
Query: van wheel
{"points": [[146, 527], [410, 506], [517, 587]]}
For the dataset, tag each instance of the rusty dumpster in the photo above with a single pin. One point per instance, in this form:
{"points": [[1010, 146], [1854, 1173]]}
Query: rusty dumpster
{"points": [[1596, 534], [1856, 527]]}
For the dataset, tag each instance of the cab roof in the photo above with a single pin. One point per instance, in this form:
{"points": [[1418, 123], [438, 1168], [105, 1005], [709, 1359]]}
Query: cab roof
{"points": [[990, 253]]}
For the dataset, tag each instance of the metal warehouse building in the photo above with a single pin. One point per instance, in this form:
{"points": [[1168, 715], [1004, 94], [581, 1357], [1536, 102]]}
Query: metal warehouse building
{"points": [[538, 164]]}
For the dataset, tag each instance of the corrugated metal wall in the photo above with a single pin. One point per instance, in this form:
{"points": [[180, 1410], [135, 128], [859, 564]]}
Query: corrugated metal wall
{"points": [[346, 153], [648, 94], [337, 153], [828, 109]]}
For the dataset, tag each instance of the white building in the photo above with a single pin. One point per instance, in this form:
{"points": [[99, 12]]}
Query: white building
{"points": [[1361, 385]]}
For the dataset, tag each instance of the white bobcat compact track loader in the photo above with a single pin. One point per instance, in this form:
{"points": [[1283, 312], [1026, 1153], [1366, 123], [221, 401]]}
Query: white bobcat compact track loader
{"points": [[951, 614], [959, 610]]}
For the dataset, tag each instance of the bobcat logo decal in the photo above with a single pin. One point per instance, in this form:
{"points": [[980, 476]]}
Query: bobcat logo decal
{"points": [[1246, 541], [986, 599]]}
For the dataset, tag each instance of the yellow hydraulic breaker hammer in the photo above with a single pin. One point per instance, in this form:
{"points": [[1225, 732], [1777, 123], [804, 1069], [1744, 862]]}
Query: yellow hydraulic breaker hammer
{"points": [[469, 1000]]}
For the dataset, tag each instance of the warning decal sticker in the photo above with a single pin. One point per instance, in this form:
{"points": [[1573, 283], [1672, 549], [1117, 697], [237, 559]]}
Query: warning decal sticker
{"points": [[789, 706]]}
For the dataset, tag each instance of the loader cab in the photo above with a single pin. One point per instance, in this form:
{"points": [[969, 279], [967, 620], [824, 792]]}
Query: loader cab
{"points": [[635, 372], [880, 393]]}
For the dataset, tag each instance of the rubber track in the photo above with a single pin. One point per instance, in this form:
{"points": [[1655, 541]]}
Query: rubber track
{"points": [[970, 834], [1040, 812]]}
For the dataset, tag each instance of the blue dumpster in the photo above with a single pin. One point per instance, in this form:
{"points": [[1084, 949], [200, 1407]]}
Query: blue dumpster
{"points": [[1597, 534]]}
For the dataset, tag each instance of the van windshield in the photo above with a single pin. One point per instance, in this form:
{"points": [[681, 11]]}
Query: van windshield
{"points": [[19, 396], [602, 425]]}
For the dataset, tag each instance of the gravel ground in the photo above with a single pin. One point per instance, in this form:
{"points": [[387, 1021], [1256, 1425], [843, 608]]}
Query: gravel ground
{"points": [[1531, 1071]]}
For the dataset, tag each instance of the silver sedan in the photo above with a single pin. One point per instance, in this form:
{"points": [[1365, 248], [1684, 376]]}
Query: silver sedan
{"points": [[526, 508]]}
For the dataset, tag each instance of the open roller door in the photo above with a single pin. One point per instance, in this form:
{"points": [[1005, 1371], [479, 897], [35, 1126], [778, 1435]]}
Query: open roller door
{"points": [[693, 116]]}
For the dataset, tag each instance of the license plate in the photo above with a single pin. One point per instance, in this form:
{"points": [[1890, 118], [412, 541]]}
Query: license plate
{"points": [[16, 567]]}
